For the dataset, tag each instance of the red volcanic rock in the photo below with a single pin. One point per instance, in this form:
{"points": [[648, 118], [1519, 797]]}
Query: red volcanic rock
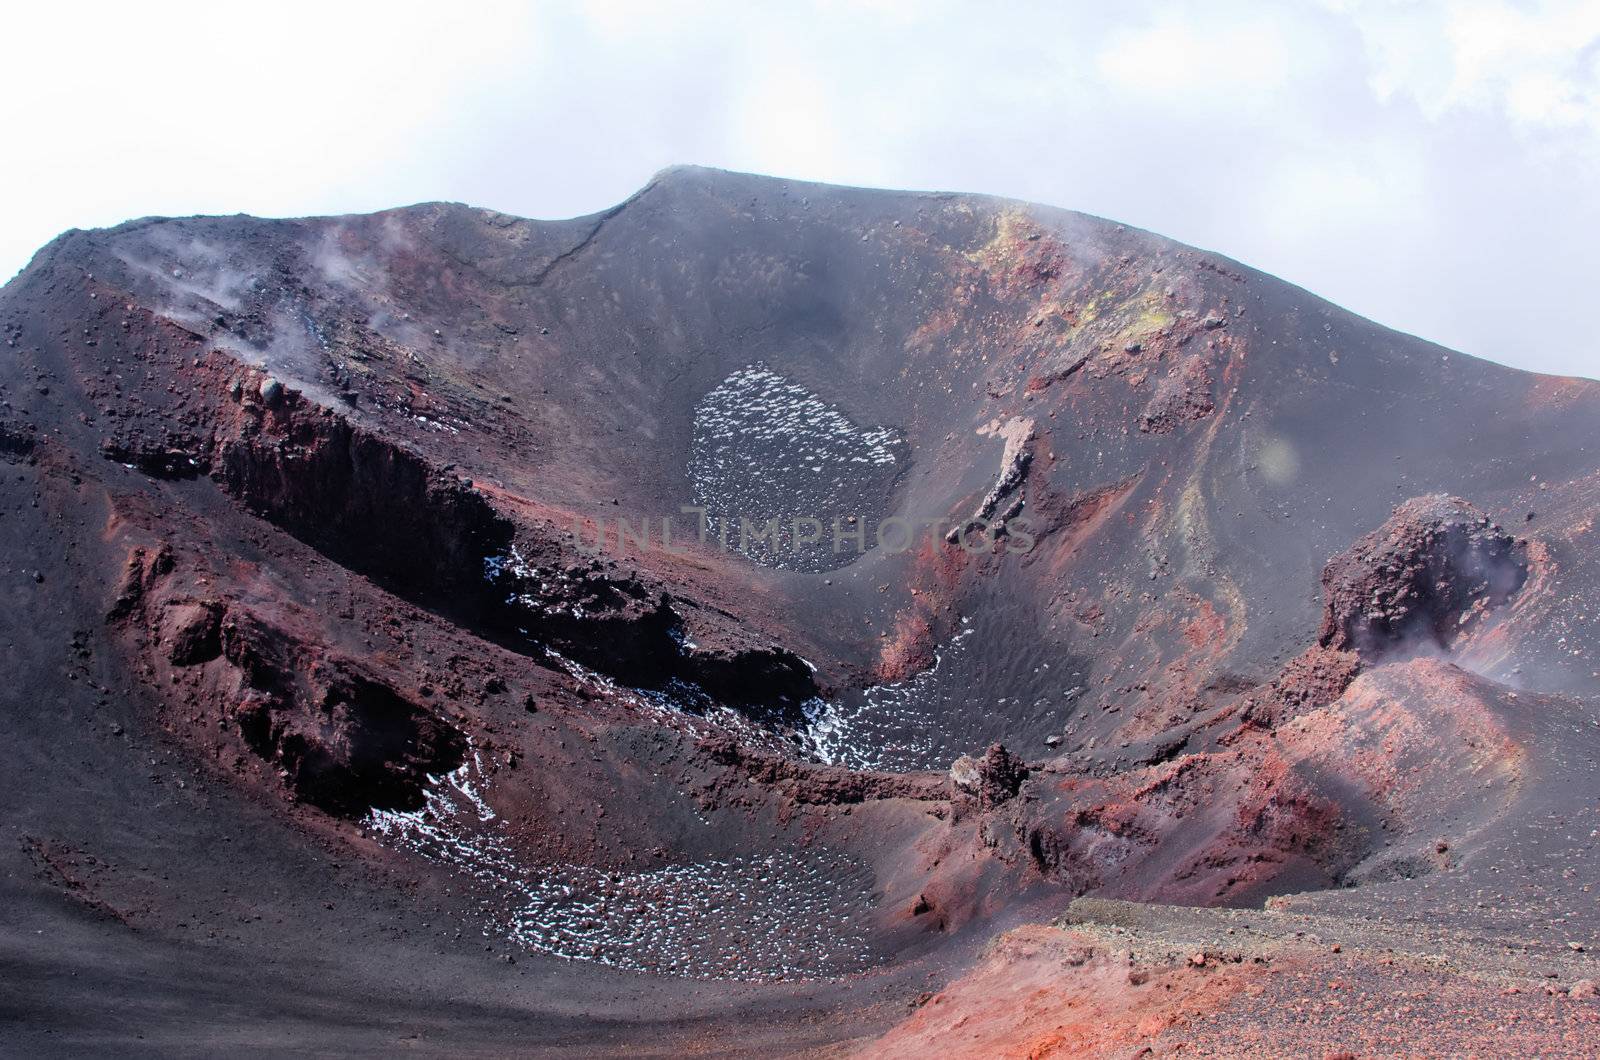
{"points": [[1182, 395], [1437, 565], [1314, 678], [1261, 818], [342, 739], [994, 777], [812, 784], [1049, 993], [192, 632]]}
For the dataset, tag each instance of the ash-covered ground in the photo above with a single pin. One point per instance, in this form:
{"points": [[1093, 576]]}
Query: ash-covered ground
{"points": [[1149, 655]]}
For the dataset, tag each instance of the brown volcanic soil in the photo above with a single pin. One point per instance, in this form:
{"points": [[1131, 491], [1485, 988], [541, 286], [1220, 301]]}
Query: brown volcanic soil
{"points": [[325, 731], [1135, 980]]}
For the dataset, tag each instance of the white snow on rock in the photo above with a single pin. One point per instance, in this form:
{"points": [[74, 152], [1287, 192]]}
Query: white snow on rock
{"points": [[777, 916], [766, 447]]}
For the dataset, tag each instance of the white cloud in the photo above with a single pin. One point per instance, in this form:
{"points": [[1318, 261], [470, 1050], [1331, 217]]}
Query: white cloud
{"points": [[1188, 52], [1536, 62]]}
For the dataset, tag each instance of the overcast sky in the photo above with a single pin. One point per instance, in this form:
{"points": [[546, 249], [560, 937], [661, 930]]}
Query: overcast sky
{"points": [[1433, 165]]}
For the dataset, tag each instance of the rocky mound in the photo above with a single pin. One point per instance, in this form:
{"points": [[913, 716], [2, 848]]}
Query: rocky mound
{"points": [[1437, 565]]}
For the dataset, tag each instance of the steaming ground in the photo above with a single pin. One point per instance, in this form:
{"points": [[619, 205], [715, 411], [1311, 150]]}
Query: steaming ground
{"points": [[324, 732]]}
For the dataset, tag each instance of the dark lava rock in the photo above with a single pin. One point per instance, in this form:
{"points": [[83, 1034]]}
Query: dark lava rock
{"points": [[1183, 395], [192, 632], [1436, 566], [995, 777]]}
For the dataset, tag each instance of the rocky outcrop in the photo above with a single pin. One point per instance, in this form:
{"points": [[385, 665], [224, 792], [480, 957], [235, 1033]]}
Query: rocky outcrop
{"points": [[1005, 496], [342, 739], [1182, 395], [368, 503], [1435, 568], [191, 632], [16, 441], [812, 784], [992, 778]]}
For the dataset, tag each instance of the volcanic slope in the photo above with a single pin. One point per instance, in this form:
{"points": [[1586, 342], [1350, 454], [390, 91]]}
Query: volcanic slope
{"points": [[401, 652]]}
